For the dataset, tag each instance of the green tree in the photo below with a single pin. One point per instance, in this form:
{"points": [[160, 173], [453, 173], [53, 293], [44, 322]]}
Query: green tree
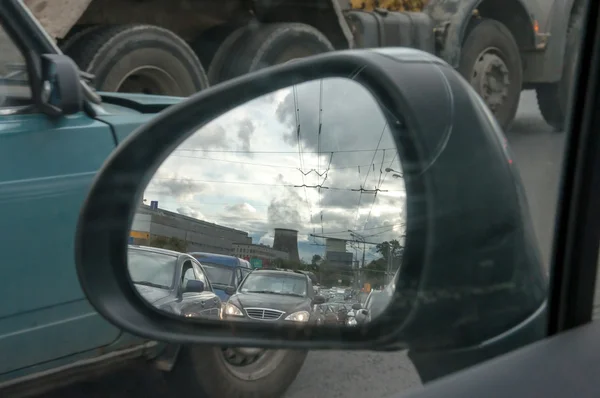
{"points": [[375, 272], [172, 243], [330, 275], [392, 247], [316, 259]]}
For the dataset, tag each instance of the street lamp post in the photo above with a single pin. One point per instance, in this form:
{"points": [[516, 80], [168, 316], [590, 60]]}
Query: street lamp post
{"points": [[362, 239]]}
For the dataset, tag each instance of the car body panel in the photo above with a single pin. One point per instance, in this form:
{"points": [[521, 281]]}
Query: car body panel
{"points": [[50, 322], [46, 168]]}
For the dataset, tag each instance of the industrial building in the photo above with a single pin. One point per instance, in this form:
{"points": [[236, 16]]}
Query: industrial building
{"points": [[336, 254], [150, 222], [286, 240]]}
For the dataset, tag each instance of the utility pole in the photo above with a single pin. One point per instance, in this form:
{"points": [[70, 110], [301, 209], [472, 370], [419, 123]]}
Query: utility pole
{"points": [[389, 264]]}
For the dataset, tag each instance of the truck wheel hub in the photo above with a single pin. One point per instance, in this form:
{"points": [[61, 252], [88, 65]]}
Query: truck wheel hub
{"points": [[149, 80], [237, 356], [490, 78]]}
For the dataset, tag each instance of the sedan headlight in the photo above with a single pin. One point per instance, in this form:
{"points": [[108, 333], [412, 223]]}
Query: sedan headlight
{"points": [[231, 310], [299, 316]]}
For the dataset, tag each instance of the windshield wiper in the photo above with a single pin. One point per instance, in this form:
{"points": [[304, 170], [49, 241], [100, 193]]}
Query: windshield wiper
{"points": [[151, 284], [260, 291]]}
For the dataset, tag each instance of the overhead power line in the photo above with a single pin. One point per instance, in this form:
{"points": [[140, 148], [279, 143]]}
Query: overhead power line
{"points": [[263, 184], [279, 152]]}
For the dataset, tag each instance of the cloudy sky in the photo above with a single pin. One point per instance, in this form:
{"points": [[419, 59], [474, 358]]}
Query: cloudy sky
{"points": [[311, 158]]}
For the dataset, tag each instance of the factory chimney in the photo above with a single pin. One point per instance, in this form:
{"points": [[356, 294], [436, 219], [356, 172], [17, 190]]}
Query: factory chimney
{"points": [[286, 240]]}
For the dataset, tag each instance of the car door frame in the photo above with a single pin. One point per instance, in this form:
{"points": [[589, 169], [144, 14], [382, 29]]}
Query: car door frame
{"points": [[61, 327]]}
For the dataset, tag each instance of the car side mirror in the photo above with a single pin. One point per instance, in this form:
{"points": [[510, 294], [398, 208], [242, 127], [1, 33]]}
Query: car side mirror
{"points": [[230, 290], [193, 286], [318, 300], [399, 89], [58, 90], [356, 306]]}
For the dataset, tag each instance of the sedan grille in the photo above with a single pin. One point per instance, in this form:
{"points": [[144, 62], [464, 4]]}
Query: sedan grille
{"points": [[263, 314]]}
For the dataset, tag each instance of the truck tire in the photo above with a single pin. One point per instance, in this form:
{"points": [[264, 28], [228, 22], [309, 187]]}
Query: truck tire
{"points": [[554, 98], [206, 371], [76, 36], [208, 43], [139, 59], [491, 63], [251, 48]]}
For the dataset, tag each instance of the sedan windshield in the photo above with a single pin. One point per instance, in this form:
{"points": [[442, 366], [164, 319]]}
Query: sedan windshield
{"points": [[285, 284], [218, 274], [151, 268]]}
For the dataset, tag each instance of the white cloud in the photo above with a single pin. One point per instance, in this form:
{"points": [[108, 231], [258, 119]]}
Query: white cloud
{"points": [[250, 168]]}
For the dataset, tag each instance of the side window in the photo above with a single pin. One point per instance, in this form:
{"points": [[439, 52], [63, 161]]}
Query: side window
{"points": [[188, 273], [310, 292], [14, 82], [238, 277], [200, 274], [244, 272]]}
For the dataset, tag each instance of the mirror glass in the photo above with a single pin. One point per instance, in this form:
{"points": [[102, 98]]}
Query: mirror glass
{"points": [[289, 208]]}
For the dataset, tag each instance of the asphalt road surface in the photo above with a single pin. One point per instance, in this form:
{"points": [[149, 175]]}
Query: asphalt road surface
{"points": [[331, 374]]}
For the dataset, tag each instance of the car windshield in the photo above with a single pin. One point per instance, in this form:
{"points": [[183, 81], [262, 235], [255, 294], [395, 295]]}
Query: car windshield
{"points": [[151, 268], [218, 274], [284, 284]]}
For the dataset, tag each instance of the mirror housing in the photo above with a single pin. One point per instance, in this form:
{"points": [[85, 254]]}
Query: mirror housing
{"points": [[194, 286], [410, 86], [58, 90], [318, 299], [230, 290]]}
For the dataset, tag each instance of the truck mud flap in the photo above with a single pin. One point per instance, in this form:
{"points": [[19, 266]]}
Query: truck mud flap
{"points": [[382, 28]]}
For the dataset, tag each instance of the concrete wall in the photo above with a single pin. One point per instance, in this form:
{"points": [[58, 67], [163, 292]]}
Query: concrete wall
{"points": [[335, 245]]}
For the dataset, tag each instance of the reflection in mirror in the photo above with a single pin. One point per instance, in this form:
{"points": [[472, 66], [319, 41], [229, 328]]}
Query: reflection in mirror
{"points": [[289, 208]]}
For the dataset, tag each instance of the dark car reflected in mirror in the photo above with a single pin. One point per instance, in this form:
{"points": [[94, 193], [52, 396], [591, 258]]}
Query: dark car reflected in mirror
{"points": [[173, 282], [296, 189], [356, 306]]}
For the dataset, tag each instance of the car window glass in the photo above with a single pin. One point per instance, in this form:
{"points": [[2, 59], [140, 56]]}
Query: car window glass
{"points": [[245, 272], [151, 268], [200, 274], [217, 273], [276, 284], [14, 81]]}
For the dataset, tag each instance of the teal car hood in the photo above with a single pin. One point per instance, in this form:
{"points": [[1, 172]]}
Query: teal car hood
{"points": [[126, 112]]}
